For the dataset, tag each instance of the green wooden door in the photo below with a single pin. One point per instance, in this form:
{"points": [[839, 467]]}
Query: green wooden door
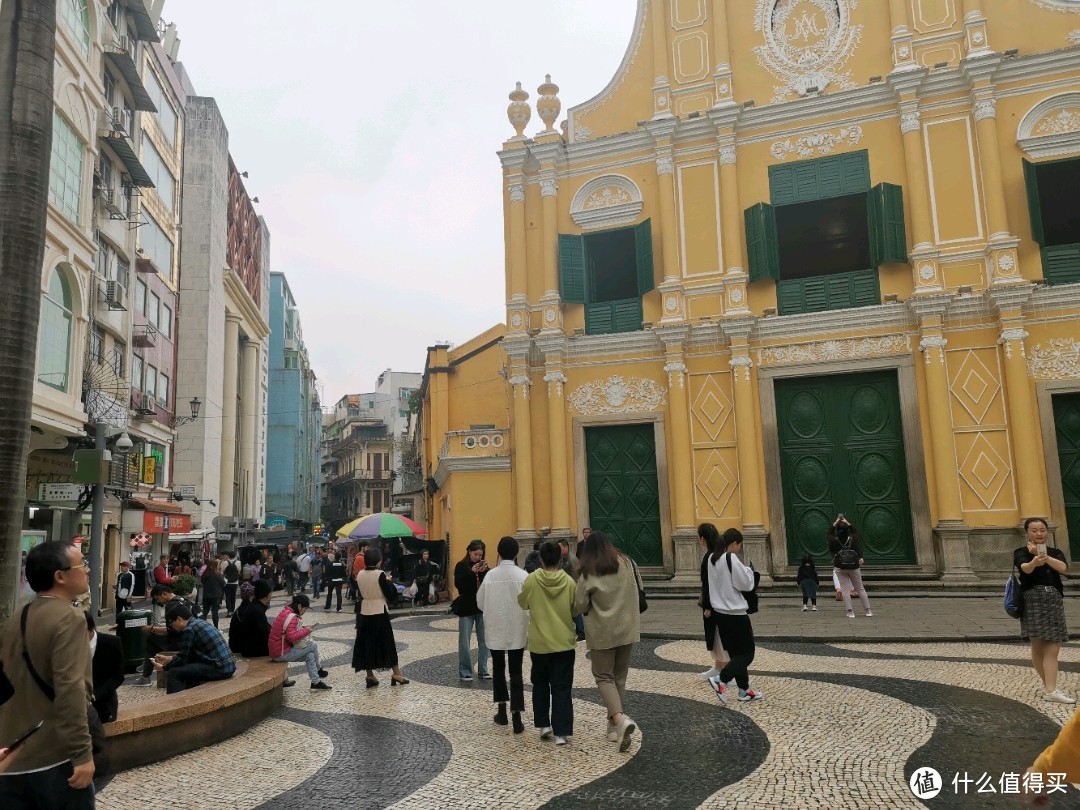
{"points": [[842, 450], [1067, 427], [624, 496]]}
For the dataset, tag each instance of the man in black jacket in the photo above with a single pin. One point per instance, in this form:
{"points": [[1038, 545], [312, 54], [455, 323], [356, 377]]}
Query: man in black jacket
{"points": [[249, 631], [232, 581], [108, 669]]}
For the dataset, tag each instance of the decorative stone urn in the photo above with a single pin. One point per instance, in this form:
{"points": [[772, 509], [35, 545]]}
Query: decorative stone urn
{"points": [[519, 111], [548, 105]]}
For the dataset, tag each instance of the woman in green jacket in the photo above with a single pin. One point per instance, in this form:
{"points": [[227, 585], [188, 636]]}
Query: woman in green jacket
{"points": [[607, 594]]}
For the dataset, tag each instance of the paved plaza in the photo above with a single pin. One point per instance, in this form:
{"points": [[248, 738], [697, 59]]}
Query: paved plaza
{"points": [[849, 716]]}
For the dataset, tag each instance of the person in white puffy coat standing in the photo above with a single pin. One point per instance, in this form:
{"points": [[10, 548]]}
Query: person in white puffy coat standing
{"points": [[506, 630], [728, 576]]}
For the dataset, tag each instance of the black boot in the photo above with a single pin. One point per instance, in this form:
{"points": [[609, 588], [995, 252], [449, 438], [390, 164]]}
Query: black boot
{"points": [[519, 727], [500, 715]]}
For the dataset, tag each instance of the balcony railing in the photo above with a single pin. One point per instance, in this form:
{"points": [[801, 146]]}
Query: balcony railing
{"points": [[477, 443], [361, 476]]}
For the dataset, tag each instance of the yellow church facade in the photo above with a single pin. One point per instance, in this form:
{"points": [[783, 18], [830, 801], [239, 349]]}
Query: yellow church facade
{"points": [[798, 258]]}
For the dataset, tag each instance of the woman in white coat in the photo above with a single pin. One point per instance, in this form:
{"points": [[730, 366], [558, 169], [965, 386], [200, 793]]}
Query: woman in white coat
{"points": [[506, 628]]}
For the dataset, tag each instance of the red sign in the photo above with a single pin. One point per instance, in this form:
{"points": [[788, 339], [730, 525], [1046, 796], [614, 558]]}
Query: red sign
{"points": [[158, 523]]}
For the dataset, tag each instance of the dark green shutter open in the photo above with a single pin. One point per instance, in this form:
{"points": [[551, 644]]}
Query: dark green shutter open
{"points": [[627, 315], [1031, 180], [762, 244], [885, 215], [646, 279], [819, 178], [1061, 264], [572, 268]]}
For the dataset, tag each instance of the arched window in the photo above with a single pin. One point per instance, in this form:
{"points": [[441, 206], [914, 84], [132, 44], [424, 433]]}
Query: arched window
{"points": [[55, 332], [76, 19]]}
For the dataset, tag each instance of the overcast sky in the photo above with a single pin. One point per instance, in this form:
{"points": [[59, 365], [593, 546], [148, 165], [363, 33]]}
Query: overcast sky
{"points": [[369, 132]]}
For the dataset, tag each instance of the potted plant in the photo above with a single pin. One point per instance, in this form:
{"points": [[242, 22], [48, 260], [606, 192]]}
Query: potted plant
{"points": [[184, 584]]}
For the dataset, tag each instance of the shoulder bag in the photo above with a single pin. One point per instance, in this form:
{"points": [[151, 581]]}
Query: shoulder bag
{"points": [[751, 596], [642, 601]]}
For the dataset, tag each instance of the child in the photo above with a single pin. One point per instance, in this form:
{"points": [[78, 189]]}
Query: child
{"points": [[548, 594], [808, 581]]}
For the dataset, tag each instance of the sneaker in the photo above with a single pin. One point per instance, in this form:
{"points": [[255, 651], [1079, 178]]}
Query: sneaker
{"points": [[500, 716], [485, 676], [719, 688], [141, 680], [1057, 696], [546, 733], [288, 682], [851, 614], [805, 608], [321, 685], [710, 672], [323, 673], [612, 732], [625, 729], [560, 740], [750, 694], [466, 677], [814, 607], [869, 614]]}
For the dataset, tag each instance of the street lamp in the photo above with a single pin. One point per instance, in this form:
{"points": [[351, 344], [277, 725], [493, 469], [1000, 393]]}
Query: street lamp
{"points": [[196, 406]]}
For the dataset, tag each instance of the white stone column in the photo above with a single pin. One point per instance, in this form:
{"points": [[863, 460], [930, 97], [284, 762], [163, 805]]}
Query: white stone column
{"points": [[228, 414], [249, 426]]}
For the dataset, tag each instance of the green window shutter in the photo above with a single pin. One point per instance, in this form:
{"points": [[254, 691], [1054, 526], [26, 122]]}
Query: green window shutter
{"points": [[865, 288], [646, 278], [762, 243], [626, 315], [838, 291], [598, 320], [820, 178], [789, 296], [572, 268], [816, 294], [1031, 180], [782, 184], [854, 172], [885, 214], [809, 179], [1061, 264]]}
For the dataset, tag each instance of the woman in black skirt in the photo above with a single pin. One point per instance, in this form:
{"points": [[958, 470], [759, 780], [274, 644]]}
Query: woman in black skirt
{"points": [[375, 647], [1043, 620], [709, 537]]}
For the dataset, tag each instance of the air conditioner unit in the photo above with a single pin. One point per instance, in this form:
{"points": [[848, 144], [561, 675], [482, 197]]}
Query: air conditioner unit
{"points": [[127, 45], [121, 120], [114, 295], [108, 199]]}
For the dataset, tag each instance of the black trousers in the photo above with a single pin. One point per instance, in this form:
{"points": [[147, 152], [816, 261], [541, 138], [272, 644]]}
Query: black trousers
{"points": [[155, 644], [185, 676], [516, 694], [552, 680], [331, 587], [210, 608], [230, 598], [737, 636], [44, 790]]}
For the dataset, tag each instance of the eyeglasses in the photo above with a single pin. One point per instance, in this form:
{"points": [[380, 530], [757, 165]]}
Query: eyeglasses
{"points": [[84, 565]]}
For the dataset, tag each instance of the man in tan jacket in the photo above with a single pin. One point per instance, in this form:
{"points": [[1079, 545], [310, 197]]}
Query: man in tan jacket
{"points": [[55, 767]]}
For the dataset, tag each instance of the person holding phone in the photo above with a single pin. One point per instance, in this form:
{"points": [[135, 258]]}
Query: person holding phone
{"points": [[1043, 620], [846, 548], [468, 574]]}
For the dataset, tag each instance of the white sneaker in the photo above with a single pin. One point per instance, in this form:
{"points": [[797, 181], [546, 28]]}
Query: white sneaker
{"points": [[719, 688], [814, 607], [625, 729], [805, 608], [710, 672], [1057, 696], [546, 733], [560, 740], [851, 614], [750, 694], [869, 614], [612, 733]]}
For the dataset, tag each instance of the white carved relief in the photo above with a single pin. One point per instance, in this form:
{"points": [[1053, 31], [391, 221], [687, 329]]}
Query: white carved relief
{"points": [[1014, 334], [517, 193], [665, 165], [926, 271], [727, 155], [807, 44], [1074, 37], [985, 108], [1058, 5], [821, 142], [842, 349], [933, 342], [555, 380], [617, 394], [606, 202], [582, 134], [736, 295], [549, 188], [1058, 360], [1064, 121], [909, 122], [744, 362], [521, 383], [515, 320], [674, 368], [671, 303]]}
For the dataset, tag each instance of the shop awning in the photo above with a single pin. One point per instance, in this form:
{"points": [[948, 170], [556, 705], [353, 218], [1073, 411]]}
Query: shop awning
{"points": [[144, 23], [155, 506], [120, 144], [192, 537]]}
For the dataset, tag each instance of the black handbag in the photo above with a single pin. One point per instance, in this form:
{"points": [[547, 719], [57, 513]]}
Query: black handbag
{"points": [[750, 596], [7, 689], [642, 601]]}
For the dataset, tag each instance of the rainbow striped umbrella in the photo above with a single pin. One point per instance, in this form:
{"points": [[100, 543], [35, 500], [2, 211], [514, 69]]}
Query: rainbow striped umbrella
{"points": [[384, 524]]}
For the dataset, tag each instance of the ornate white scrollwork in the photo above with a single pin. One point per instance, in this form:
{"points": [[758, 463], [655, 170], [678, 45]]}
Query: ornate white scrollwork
{"points": [[521, 383], [821, 142], [665, 165], [617, 394], [926, 271], [549, 187], [1059, 360], [516, 320], [909, 121], [735, 295], [555, 380], [606, 202], [841, 349], [933, 342], [742, 361], [985, 108], [1064, 121], [807, 44], [675, 367], [671, 303], [727, 155], [517, 193], [1009, 336]]}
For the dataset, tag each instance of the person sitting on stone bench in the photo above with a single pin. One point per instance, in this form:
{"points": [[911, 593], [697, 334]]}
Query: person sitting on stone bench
{"points": [[249, 631], [159, 638], [203, 656]]}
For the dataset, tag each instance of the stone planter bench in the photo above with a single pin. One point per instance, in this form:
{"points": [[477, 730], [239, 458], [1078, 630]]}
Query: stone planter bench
{"points": [[154, 730]]}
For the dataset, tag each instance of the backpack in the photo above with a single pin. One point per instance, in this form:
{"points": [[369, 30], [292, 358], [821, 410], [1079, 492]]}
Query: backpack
{"points": [[847, 558], [1014, 597], [751, 596]]}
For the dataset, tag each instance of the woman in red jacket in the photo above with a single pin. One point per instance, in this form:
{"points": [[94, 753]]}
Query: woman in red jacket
{"points": [[291, 641]]}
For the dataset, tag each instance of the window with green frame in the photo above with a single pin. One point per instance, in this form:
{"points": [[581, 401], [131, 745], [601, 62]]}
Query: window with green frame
{"points": [[1053, 192], [54, 333], [66, 169], [608, 272], [76, 18], [824, 233]]}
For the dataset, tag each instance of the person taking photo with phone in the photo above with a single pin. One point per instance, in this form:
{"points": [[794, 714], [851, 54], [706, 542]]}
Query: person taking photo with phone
{"points": [[847, 563], [47, 659], [1043, 620]]}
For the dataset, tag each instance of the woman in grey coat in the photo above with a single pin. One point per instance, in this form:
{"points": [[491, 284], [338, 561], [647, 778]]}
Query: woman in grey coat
{"points": [[607, 594]]}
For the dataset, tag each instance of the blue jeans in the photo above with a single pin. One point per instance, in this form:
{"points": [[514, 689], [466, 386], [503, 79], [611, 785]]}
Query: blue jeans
{"points": [[315, 590], [309, 655], [465, 629]]}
